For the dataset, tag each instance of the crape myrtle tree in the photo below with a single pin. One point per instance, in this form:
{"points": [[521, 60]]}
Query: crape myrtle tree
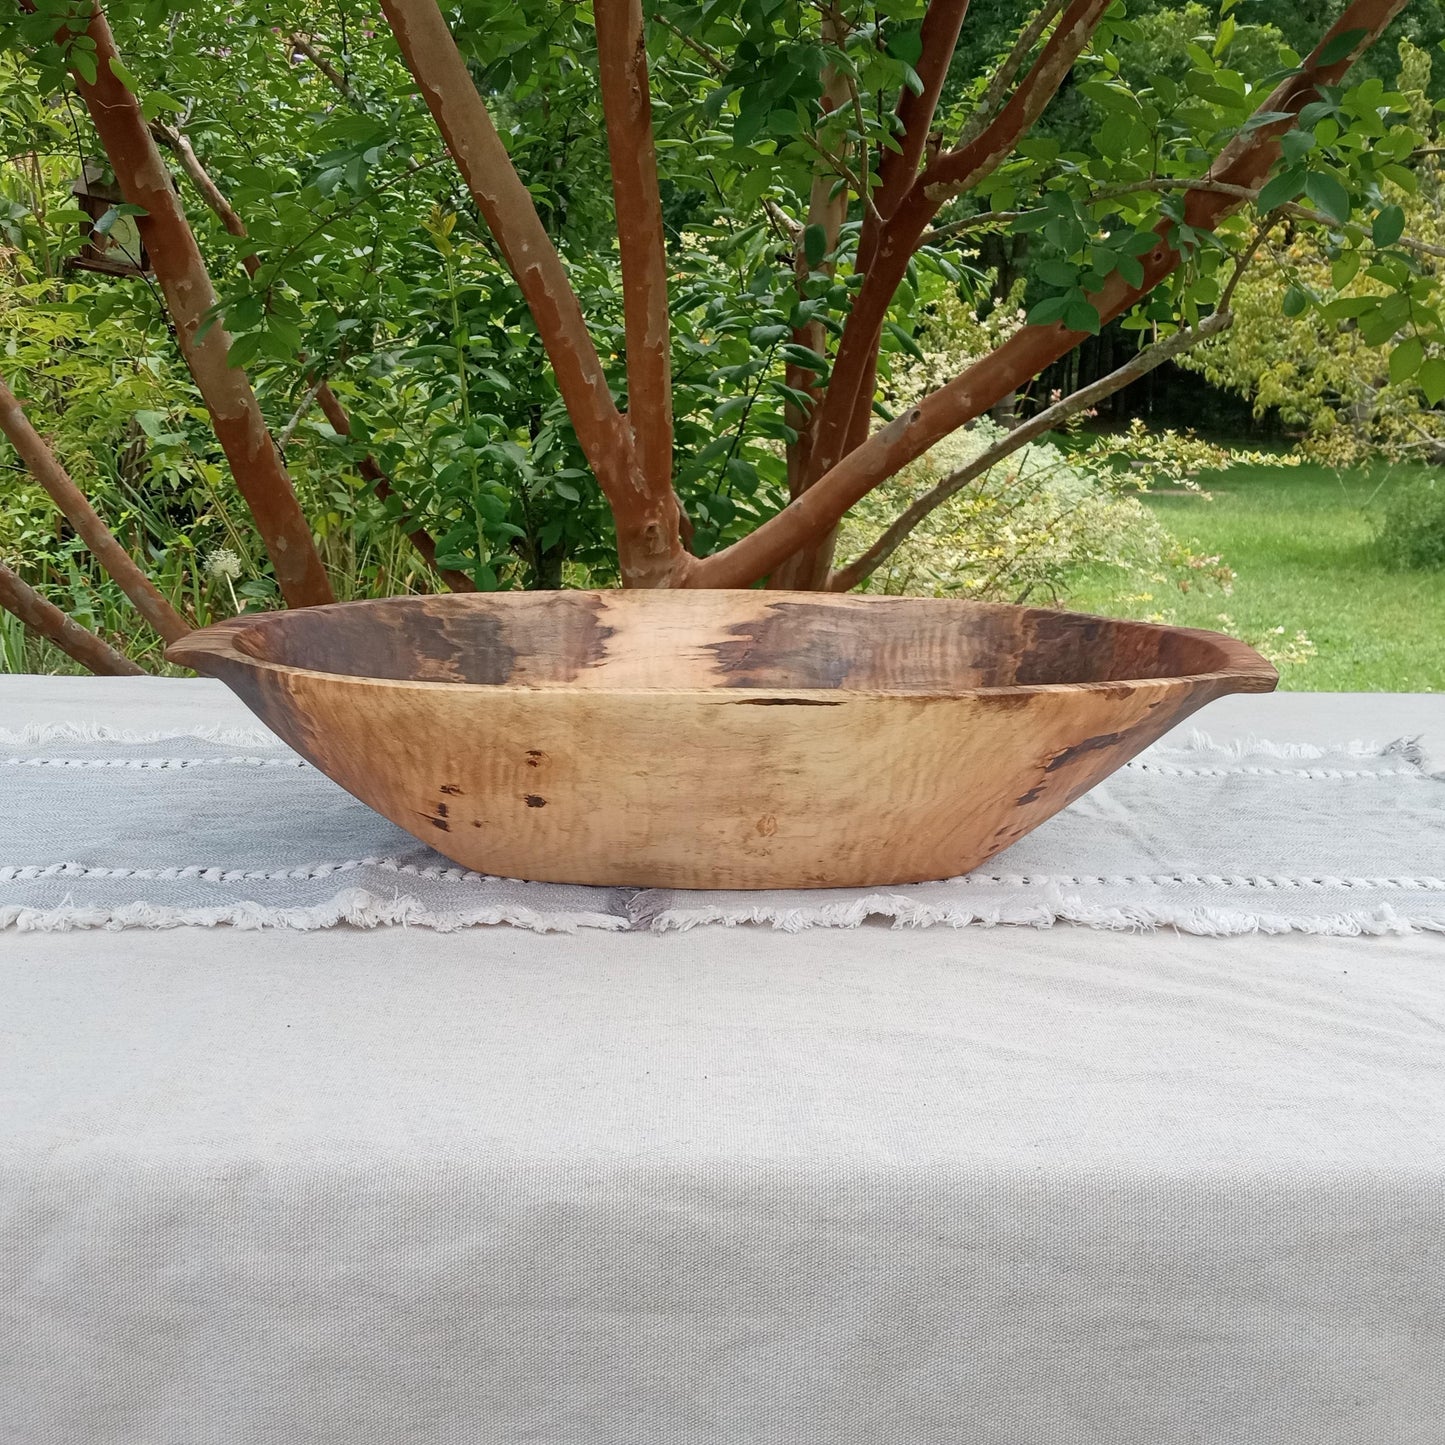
{"points": [[709, 342]]}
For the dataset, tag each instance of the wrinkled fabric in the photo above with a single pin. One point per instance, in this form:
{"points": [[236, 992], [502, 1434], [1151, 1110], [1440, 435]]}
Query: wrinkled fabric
{"points": [[723, 1187]]}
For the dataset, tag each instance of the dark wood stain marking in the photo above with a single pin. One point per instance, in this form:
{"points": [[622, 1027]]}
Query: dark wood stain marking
{"points": [[785, 702], [535, 758], [451, 788], [793, 644], [548, 637], [1102, 743], [533, 801]]}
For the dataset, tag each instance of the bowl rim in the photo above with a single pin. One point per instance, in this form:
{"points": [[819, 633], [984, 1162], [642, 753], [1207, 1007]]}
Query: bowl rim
{"points": [[218, 645]]}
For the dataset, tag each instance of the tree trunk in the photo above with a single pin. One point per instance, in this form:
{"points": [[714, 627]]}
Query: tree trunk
{"points": [[235, 415], [46, 620]]}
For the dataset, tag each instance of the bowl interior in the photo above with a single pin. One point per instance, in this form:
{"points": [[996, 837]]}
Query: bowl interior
{"points": [[681, 640]]}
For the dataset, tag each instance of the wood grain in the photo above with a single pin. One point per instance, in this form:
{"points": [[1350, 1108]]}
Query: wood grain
{"points": [[716, 739]]}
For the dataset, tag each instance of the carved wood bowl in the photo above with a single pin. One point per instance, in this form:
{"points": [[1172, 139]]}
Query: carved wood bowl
{"points": [[716, 739]]}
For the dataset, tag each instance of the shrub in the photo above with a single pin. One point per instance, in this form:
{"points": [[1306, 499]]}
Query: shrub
{"points": [[1412, 530]]}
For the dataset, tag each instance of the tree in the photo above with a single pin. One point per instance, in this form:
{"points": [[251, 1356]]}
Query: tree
{"points": [[848, 161], [1310, 325]]}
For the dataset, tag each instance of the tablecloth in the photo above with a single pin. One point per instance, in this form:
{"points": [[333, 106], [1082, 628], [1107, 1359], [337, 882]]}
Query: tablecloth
{"points": [[1001, 1187], [118, 827]]}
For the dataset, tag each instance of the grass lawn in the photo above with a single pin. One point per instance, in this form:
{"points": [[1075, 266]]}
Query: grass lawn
{"points": [[1300, 540]]}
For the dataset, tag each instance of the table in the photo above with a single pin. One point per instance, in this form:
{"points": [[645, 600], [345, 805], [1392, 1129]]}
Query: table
{"points": [[1007, 1187]]}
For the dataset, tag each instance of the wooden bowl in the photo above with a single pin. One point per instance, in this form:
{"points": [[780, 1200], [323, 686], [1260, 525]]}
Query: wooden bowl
{"points": [[699, 739]]}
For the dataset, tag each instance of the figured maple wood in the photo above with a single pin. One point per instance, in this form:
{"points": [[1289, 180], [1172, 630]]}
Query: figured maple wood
{"points": [[517, 732]]}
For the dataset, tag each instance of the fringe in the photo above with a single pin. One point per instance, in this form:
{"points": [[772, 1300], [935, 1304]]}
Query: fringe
{"points": [[1137, 918], [231, 762], [100, 733], [354, 906]]}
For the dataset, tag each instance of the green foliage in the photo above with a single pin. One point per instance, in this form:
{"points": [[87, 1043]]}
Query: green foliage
{"points": [[1022, 531], [1412, 528], [1357, 361], [375, 271]]}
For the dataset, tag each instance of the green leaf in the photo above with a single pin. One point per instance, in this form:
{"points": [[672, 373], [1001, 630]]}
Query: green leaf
{"points": [[1050, 309], [118, 70], [905, 340], [1340, 47], [1328, 195], [83, 62], [815, 246], [1344, 269], [1281, 189], [1131, 270], [806, 359], [1432, 379], [245, 349], [1080, 315], [1389, 226], [1295, 301], [1406, 358], [1056, 273]]}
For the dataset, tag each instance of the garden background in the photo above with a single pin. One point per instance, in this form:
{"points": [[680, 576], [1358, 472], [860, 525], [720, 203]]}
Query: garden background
{"points": [[1281, 482]]}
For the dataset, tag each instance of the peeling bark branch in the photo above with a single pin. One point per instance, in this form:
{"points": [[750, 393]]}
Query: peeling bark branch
{"points": [[235, 415], [827, 208], [627, 107], [1245, 162], [46, 620], [1138, 365], [897, 169], [43, 466], [649, 542], [1003, 77], [846, 408], [321, 392]]}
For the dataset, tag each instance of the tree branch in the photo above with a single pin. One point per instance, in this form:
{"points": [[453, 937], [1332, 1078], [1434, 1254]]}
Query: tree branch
{"points": [[47, 621], [961, 168], [1245, 162], [1105, 193], [1141, 364], [320, 390], [235, 415], [627, 109], [827, 210], [848, 402], [1003, 77], [46, 470], [649, 540], [897, 170], [307, 47]]}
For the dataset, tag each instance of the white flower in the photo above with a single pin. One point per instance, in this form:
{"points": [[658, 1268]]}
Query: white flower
{"points": [[223, 563]]}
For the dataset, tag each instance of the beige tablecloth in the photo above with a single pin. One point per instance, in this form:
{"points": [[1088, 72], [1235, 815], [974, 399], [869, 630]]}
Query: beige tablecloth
{"points": [[996, 1187]]}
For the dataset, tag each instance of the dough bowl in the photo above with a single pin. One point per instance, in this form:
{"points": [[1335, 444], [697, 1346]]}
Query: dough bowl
{"points": [[716, 739]]}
